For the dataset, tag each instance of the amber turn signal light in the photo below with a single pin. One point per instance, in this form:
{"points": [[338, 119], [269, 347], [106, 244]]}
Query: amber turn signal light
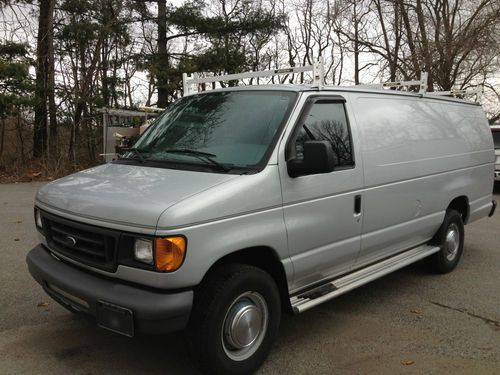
{"points": [[169, 253]]}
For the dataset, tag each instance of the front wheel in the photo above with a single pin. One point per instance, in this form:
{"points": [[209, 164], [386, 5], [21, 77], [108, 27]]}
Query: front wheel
{"points": [[450, 239], [235, 320]]}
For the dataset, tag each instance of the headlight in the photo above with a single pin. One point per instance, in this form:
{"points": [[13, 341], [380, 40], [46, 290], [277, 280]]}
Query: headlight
{"points": [[166, 254], [38, 219], [143, 250]]}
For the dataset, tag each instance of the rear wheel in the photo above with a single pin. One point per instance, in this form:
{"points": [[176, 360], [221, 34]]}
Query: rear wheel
{"points": [[450, 239], [235, 320]]}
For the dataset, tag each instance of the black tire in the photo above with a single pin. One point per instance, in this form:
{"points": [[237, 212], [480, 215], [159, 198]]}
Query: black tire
{"points": [[451, 244], [215, 306]]}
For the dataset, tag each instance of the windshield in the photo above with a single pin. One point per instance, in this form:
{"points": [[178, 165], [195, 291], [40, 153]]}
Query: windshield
{"points": [[222, 131], [496, 138]]}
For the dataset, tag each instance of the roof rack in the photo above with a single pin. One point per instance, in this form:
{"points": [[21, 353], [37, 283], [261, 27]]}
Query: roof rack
{"points": [[478, 91], [421, 83], [190, 83]]}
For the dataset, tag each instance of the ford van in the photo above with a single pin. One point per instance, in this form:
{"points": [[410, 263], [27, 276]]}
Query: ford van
{"points": [[242, 203]]}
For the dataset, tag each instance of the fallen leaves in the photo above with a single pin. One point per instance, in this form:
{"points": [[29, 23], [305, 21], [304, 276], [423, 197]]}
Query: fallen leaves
{"points": [[36, 174], [43, 304], [17, 239], [419, 313], [407, 362]]}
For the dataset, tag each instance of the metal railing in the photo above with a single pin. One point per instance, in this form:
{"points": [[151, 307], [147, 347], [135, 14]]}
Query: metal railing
{"points": [[191, 83], [421, 83]]}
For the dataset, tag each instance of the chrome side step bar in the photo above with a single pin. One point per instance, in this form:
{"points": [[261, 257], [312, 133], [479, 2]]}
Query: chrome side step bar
{"points": [[334, 288]]}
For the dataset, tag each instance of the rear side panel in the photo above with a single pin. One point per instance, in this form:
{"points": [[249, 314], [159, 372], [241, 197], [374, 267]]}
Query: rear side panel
{"points": [[418, 155]]}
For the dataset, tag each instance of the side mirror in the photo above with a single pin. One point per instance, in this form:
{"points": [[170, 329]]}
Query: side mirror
{"points": [[318, 158]]}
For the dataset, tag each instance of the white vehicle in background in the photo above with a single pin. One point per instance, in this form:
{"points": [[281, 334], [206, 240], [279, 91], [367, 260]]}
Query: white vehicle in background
{"points": [[495, 131]]}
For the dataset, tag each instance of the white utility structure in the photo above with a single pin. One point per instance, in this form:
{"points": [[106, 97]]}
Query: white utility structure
{"points": [[191, 83], [120, 121]]}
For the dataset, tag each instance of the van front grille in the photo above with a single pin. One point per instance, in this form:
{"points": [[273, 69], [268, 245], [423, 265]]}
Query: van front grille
{"points": [[93, 246]]}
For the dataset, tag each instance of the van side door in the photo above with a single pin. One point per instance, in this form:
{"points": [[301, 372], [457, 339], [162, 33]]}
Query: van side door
{"points": [[323, 211]]}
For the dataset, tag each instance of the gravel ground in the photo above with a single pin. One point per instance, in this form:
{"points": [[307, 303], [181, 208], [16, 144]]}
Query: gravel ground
{"points": [[408, 322]]}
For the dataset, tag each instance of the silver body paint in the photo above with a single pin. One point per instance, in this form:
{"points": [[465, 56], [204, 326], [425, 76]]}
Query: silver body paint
{"points": [[413, 156]]}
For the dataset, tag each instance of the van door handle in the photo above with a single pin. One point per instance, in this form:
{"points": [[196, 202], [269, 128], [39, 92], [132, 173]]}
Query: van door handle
{"points": [[357, 205]]}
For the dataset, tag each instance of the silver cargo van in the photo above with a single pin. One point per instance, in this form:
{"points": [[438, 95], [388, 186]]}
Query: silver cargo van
{"points": [[238, 204]]}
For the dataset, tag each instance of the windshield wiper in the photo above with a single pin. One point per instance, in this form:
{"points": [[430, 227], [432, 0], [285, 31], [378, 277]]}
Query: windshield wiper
{"points": [[189, 151], [138, 152], [204, 156]]}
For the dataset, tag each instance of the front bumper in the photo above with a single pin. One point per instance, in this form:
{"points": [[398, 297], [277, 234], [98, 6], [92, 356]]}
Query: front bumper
{"points": [[151, 311]]}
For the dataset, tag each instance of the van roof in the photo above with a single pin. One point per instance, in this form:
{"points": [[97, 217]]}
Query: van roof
{"points": [[359, 89]]}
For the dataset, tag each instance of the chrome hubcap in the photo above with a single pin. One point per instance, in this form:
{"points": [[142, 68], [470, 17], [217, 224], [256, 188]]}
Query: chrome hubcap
{"points": [[244, 326], [452, 242]]}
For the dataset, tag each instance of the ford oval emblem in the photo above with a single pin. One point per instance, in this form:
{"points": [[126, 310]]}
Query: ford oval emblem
{"points": [[70, 241]]}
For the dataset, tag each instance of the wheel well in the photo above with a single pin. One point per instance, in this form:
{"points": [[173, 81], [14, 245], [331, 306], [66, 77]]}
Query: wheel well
{"points": [[264, 258], [461, 204]]}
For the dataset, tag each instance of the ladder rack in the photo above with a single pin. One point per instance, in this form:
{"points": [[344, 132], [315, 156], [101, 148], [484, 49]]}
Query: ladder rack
{"points": [[421, 83], [191, 82], [478, 91]]}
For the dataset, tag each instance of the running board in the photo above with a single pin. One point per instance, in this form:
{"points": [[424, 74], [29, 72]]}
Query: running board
{"points": [[334, 288]]}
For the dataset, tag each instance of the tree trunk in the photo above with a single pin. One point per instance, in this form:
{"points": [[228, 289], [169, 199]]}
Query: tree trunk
{"points": [[410, 39], [20, 135], [425, 49], [40, 126], [2, 136], [356, 44], [162, 62], [51, 80], [397, 41]]}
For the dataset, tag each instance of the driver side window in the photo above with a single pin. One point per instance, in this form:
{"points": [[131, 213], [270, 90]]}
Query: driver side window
{"points": [[327, 121]]}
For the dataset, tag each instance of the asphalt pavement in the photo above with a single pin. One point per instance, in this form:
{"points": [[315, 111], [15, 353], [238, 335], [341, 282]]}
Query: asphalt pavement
{"points": [[410, 322]]}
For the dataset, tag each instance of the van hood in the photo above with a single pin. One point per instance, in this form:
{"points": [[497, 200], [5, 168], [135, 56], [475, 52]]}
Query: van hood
{"points": [[126, 194]]}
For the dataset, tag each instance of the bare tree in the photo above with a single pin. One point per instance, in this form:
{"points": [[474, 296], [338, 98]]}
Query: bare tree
{"points": [[44, 78]]}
